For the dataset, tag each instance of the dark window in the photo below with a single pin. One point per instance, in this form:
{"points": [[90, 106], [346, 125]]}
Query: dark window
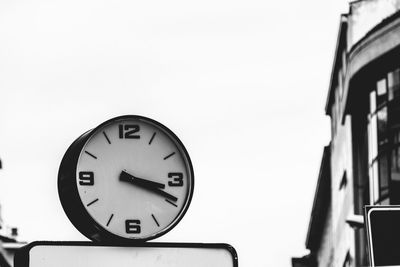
{"points": [[384, 139], [381, 92], [382, 127], [383, 177], [394, 84]]}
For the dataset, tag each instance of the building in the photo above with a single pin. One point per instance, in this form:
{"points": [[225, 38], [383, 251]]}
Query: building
{"points": [[8, 242], [361, 165]]}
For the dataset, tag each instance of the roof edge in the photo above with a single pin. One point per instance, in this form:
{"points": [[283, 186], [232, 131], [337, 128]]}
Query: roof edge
{"points": [[341, 34]]}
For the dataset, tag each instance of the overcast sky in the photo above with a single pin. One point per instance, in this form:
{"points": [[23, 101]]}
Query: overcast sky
{"points": [[242, 83]]}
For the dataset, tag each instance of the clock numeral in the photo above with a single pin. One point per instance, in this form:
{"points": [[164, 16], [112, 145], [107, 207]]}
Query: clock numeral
{"points": [[132, 226], [177, 179], [86, 178], [128, 131]]}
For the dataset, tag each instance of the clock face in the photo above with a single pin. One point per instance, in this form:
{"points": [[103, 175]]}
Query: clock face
{"points": [[134, 178]]}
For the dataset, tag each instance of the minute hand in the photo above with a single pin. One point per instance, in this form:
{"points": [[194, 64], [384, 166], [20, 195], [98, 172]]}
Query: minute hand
{"points": [[165, 194], [146, 184]]}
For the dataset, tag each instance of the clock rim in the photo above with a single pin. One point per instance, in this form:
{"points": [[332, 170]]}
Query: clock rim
{"points": [[74, 207]]}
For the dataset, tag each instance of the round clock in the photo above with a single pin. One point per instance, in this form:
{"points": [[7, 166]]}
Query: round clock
{"points": [[129, 179]]}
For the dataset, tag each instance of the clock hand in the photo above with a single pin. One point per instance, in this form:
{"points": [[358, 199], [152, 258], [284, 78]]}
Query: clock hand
{"points": [[146, 184], [165, 194], [124, 176]]}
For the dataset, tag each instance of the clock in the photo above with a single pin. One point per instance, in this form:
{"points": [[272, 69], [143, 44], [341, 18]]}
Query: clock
{"points": [[129, 179]]}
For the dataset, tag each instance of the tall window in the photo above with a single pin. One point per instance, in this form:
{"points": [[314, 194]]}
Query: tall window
{"points": [[384, 139]]}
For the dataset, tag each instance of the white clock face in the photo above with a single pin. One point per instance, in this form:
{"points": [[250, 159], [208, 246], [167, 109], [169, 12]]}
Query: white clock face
{"points": [[134, 178]]}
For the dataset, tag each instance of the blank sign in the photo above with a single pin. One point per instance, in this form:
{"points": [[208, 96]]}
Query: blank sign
{"points": [[383, 229], [89, 254]]}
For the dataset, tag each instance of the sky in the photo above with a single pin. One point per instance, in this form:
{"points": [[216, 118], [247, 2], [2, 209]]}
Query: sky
{"points": [[242, 83]]}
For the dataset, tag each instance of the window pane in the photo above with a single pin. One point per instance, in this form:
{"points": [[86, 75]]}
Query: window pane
{"points": [[385, 202], [375, 182], [381, 92], [372, 138], [396, 137], [372, 102], [383, 176], [382, 127], [394, 111], [394, 83], [395, 164]]}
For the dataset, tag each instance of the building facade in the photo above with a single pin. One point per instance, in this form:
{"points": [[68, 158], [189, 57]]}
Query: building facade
{"points": [[361, 165]]}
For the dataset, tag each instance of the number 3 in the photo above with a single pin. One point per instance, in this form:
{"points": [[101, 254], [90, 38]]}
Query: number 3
{"points": [[177, 179]]}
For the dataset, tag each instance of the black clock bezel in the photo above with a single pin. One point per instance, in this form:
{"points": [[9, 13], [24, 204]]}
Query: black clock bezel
{"points": [[71, 201]]}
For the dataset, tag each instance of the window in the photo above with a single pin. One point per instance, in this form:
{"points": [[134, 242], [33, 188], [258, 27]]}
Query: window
{"points": [[381, 92], [395, 158], [384, 139], [394, 84], [381, 115]]}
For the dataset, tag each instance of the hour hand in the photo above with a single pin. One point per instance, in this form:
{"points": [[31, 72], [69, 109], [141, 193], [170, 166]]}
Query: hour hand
{"points": [[146, 184], [124, 176]]}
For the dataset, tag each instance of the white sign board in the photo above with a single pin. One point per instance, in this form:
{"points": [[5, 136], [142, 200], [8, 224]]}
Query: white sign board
{"points": [[89, 254]]}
